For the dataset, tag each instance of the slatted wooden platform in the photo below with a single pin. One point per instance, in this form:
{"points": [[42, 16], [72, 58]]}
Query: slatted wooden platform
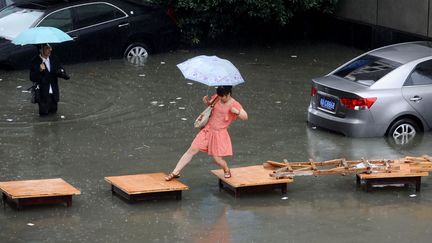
{"points": [[407, 175], [145, 186], [407, 171], [250, 179], [30, 192]]}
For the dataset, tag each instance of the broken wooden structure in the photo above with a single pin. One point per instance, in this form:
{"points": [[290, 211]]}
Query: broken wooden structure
{"points": [[407, 171], [146, 187], [250, 179], [410, 172], [32, 192]]}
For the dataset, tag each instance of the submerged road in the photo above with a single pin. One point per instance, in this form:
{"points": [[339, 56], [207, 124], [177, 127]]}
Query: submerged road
{"points": [[116, 119]]}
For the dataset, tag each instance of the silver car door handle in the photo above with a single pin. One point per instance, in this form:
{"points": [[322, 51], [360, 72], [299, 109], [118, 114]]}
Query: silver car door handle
{"points": [[416, 98], [122, 25]]}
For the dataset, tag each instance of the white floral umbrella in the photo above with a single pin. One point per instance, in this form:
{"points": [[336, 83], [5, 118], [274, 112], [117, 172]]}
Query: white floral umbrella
{"points": [[211, 70]]}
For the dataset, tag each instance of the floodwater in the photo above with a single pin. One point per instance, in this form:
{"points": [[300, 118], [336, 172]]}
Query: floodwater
{"points": [[115, 118]]}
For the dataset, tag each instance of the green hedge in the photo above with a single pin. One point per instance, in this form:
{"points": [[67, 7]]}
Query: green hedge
{"points": [[201, 19]]}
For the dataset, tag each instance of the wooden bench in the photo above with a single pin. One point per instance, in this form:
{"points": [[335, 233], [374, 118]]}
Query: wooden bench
{"points": [[406, 176], [32, 192], [250, 179], [146, 186]]}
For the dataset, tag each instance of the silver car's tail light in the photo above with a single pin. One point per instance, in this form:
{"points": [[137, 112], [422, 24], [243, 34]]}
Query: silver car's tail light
{"points": [[313, 91], [358, 103]]}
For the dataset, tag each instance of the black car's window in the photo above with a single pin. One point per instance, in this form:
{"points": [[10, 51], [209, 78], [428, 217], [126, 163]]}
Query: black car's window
{"points": [[61, 20], [14, 20], [4, 3], [422, 74], [367, 69], [96, 13]]}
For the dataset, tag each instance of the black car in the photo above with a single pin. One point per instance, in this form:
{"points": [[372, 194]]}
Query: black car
{"points": [[100, 29]]}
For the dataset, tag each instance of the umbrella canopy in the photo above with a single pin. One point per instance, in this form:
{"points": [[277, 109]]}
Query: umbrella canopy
{"points": [[41, 35], [211, 70]]}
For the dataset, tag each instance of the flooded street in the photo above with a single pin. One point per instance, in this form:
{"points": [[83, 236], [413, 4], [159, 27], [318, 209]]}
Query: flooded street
{"points": [[115, 118]]}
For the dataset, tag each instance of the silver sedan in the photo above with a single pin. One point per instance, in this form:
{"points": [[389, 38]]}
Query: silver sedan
{"points": [[387, 91]]}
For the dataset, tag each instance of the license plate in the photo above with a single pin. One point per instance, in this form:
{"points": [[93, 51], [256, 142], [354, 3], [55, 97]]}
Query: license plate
{"points": [[327, 104]]}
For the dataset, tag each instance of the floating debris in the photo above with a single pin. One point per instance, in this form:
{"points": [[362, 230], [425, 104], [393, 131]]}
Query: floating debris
{"points": [[413, 195], [161, 105], [62, 117], [9, 120], [30, 224], [314, 127], [178, 98], [284, 198], [25, 91], [190, 83], [154, 102], [184, 119], [19, 87], [172, 102], [182, 108], [294, 56], [162, 62], [372, 169], [278, 102], [142, 75], [144, 146]]}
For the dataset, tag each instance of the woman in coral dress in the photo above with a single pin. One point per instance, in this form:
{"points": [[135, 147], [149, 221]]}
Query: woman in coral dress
{"points": [[214, 138]]}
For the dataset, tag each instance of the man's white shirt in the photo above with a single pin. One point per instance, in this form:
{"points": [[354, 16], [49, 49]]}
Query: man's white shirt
{"points": [[47, 63]]}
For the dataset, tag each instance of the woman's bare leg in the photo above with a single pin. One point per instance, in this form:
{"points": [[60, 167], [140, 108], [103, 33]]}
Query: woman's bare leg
{"points": [[221, 162], [184, 160]]}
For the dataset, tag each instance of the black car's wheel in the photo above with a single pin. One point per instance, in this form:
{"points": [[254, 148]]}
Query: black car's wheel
{"points": [[403, 131], [137, 53]]}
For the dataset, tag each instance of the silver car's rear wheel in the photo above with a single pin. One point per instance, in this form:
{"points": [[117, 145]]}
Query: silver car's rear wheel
{"points": [[403, 131]]}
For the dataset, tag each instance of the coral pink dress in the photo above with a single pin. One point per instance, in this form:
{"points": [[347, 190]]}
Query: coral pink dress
{"points": [[213, 138]]}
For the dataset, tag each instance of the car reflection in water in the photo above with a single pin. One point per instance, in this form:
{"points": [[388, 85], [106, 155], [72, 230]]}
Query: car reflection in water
{"points": [[325, 145], [137, 60]]}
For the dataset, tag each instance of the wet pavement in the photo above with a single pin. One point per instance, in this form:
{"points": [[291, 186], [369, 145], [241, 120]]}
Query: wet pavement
{"points": [[115, 118]]}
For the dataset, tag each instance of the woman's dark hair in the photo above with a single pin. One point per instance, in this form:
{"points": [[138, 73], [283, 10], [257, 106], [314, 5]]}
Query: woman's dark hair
{"points": [[223, 90]]}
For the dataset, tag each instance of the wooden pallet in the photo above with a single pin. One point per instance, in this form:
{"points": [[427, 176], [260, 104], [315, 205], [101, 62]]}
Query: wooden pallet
{"points": [[404, 176], [31, 192], [407, 171], [250, 179], [343, 167], [146, 186]]}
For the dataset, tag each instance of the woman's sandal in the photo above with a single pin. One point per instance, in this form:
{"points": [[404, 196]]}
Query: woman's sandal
{"points": [[171, 176], [227, 173]]}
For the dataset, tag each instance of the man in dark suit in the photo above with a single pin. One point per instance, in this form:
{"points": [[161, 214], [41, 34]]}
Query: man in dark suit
{"points": [[44, 71]]}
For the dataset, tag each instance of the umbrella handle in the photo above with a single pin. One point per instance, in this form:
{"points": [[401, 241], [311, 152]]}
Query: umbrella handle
{"points": [[208, 88]]}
